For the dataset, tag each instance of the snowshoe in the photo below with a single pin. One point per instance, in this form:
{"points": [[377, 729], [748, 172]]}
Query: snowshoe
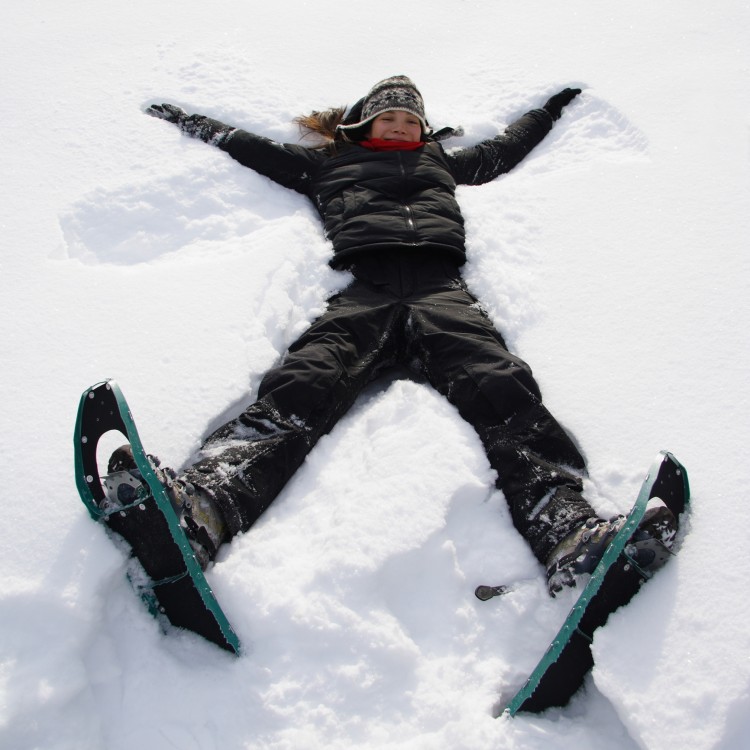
{"points": [[152, 513]]}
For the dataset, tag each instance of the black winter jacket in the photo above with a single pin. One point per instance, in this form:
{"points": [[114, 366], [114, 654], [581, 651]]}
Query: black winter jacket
{"points": [[376, 200]]}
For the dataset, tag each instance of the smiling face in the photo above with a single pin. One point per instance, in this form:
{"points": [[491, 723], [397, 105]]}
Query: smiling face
{"points": [[396, 125]]}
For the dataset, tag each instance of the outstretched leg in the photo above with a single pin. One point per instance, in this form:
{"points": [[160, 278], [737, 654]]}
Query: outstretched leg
{"points": [[538, 465], [245, 463]]}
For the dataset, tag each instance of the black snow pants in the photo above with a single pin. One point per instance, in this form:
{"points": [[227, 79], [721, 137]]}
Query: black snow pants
{"points": [[416, 312]]}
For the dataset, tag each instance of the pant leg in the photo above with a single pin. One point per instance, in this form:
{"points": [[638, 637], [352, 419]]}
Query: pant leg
{"points": [[246, 462], [538, 465]]}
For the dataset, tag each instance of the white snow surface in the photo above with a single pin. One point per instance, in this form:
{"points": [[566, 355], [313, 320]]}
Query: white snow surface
{"points": [[614, 260]]}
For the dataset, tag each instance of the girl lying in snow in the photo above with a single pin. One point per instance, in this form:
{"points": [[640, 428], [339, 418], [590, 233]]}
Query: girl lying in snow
{"points": [[385, 191]]}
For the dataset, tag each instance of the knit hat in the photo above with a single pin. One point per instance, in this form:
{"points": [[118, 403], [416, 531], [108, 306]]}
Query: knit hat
{"points": [[394, 93]]}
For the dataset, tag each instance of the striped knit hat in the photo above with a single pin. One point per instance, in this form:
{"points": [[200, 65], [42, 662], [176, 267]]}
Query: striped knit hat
{"points": [[394, 93]]}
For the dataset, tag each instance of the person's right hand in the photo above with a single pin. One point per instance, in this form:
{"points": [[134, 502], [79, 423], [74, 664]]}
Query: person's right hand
{"points": [[168, 112]]}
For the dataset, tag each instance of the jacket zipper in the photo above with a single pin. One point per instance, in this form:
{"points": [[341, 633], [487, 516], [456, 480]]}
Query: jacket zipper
{"points": [[408, 215]]}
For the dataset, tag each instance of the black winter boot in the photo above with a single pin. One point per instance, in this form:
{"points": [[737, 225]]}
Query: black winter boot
{"points": [[201, 520], [580, 552]]}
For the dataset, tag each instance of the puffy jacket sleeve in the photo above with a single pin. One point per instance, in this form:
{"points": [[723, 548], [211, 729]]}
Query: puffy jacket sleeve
{"points": [[495, 156], [287, 164]]}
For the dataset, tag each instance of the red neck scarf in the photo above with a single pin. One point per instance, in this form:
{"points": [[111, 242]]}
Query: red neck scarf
{"points": [[378, 144]]}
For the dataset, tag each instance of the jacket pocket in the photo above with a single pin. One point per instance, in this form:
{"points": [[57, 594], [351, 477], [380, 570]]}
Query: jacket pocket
{"points": [[355, 201]]}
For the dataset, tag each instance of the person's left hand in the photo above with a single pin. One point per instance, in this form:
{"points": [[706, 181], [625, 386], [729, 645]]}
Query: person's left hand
{"points": [[556, 103]]}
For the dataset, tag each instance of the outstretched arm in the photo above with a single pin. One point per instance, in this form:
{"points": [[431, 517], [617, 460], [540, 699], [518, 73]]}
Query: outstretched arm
{"points": [[491, 158], [289, 165]]}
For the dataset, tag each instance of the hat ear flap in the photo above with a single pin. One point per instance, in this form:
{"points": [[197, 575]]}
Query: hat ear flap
{"points": [[355, 113]]}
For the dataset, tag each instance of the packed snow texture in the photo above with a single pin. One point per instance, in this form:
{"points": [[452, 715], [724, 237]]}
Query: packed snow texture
{"points": [[614, 260]]}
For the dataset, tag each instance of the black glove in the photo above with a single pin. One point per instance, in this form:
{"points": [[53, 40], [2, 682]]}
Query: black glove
{"points": [[556, 103], [167, 112], [196, 126]]}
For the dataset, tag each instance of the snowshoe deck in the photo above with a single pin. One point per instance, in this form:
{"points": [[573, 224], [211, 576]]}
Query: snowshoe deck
{"points": [[614, 582], [175, 585]]}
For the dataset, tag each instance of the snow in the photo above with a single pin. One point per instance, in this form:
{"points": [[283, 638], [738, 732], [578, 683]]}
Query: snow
{"points": [[614, 260]]}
